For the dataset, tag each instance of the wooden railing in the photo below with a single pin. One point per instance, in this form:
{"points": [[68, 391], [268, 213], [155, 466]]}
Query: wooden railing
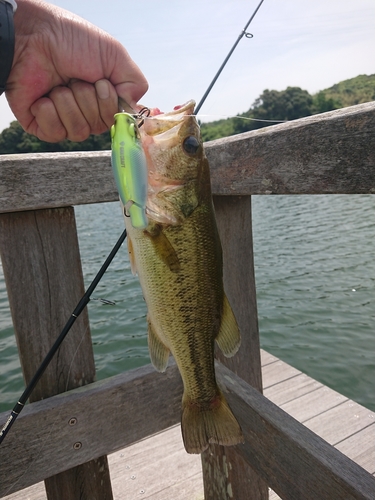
{"points": [[64, 438]]}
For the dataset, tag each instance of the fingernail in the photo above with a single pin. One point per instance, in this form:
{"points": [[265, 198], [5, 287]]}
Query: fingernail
{"points": [[102, 89]]}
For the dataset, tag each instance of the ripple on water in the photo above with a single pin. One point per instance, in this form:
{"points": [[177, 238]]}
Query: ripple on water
{"points": [[311, 252]]}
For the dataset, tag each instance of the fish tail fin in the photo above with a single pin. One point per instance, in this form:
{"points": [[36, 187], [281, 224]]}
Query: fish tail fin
{"points": [[209, 423]]}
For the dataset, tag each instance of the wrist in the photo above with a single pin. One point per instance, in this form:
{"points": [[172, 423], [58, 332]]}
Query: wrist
{"points": [[7, 8]]}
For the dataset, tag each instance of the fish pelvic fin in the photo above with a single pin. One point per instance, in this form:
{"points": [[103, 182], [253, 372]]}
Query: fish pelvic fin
{"points": [[131, 253], [214, 422], [159, 353], [228, 338]]}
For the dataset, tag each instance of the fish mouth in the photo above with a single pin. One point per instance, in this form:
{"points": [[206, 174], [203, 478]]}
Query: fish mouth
{"points": [[186, 108], [159, 123]]}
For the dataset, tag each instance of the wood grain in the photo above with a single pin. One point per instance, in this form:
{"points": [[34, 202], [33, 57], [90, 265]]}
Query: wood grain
{"points": [[109, 415], [43, 274], [296, 462], [329, 153], [332, 152], [225, 473], [293, 460]]}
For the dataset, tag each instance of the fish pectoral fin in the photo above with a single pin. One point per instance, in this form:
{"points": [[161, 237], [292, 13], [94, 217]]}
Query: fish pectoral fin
{"points": [[159, 353], [228, 338], [131, 256], [164, 248]]}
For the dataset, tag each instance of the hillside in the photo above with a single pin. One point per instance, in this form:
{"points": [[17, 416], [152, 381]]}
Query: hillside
{"points": [[353, 91], [293, 103]]}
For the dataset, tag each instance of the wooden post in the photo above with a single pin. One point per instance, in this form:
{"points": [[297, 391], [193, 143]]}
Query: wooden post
{"points": [[225, 473], [42, 269]]}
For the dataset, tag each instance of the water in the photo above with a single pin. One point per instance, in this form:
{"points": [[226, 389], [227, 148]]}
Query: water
{"points": [[315, 273]]}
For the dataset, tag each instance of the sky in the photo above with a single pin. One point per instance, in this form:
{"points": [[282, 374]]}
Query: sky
{"points": [[180, 45]]}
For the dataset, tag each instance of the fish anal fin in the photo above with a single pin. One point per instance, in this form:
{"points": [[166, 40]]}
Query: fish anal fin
{"points": [[159, 353], [164, 248], [228, 338], [212, 423]]}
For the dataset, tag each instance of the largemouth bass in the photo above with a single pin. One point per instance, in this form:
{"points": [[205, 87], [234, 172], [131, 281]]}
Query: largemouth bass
{"points": [[178, 259]]}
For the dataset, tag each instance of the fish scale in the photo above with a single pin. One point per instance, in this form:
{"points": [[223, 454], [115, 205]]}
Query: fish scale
{"points": [[178, 259]]}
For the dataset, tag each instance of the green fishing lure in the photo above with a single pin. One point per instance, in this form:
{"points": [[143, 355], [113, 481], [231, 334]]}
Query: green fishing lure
{"points": [[130, 168]]}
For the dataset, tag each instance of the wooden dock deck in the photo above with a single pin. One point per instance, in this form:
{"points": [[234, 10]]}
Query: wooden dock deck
{"points": [[158, 467], [331, 153]]}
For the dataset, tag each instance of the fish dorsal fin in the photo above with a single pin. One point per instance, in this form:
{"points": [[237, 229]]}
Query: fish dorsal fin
{"points": [[228, 338], [159, 353], [131, 256], [164, 248]]}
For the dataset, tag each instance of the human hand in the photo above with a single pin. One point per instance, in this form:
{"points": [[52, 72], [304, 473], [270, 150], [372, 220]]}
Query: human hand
{"points": [[67, 74]]}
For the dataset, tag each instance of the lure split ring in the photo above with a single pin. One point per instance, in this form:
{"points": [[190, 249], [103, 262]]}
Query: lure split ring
{"points": [[143, 113]]}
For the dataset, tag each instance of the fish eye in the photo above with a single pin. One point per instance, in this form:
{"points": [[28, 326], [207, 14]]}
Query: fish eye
{"points": [[191, 145]]}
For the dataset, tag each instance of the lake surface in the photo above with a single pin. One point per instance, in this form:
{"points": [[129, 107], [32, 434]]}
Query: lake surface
{"points": [[315, 275]]}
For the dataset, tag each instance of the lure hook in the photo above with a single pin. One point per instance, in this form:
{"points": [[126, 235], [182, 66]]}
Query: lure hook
{"points": [[144, 112]]}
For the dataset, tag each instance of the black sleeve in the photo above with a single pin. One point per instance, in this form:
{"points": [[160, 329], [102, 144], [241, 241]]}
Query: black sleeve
{"points": [[6, 42]]}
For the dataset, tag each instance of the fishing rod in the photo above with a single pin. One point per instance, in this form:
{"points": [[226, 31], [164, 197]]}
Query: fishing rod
{"points": [[240, 36], [77, 311], [86, 297]]}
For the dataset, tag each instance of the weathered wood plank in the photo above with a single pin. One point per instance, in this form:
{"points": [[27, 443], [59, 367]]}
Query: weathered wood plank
{"points": [[329, 153], [156, 468], [233, 215], [44, 284], [272, 371], [35, 492], [267, 358], [304, 407], [109, 415], [225, 473], [290, 389], [360, 447], [51, 180], [133, 472], [127, 395], [355, 416], [296, 462]]}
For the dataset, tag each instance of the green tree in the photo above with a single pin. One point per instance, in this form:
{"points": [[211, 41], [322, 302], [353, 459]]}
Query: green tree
{"points": [[322, 103], [276, 105], [15, 140]]}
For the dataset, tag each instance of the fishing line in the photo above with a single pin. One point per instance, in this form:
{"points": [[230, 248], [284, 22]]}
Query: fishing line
{"points": [[142, 115], [244, 118], [178, 118]]}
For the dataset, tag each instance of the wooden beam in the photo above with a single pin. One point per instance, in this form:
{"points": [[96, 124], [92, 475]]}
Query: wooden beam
{"points": [[42, 269], [69, 429], [332, 152], [223, 469], [115, 412], [295, 462]]}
